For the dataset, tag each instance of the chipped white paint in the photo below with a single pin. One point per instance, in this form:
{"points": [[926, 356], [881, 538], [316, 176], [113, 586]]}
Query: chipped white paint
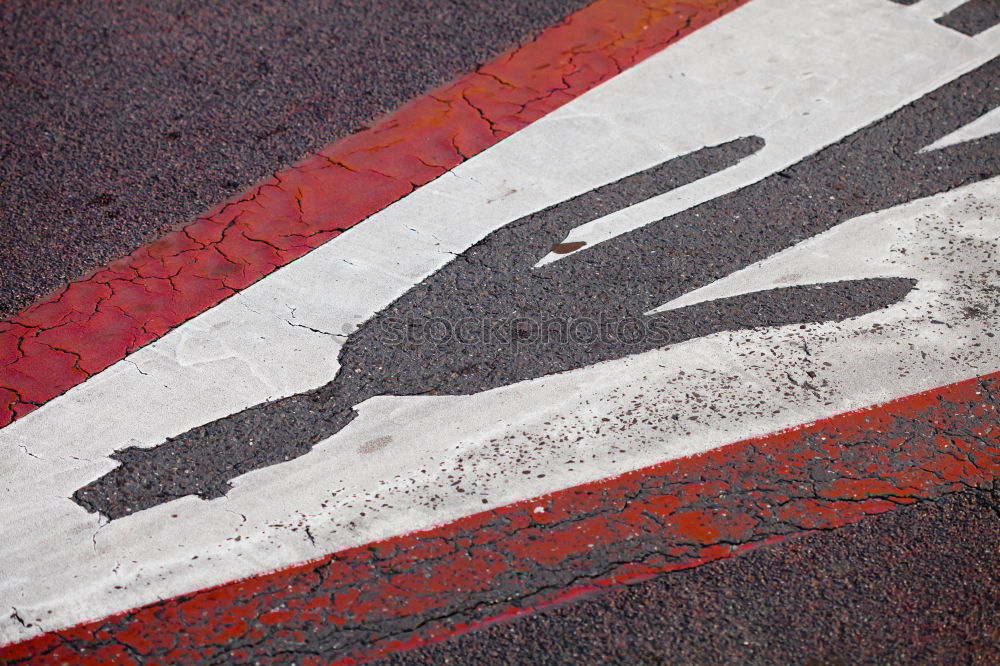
{"points": [[60, 565]]}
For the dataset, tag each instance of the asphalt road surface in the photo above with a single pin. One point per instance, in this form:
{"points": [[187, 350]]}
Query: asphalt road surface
{"points": [[252, 441], [121, 121]]}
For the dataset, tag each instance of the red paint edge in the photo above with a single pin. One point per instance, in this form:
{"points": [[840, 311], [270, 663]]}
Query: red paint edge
{"points": [[62, 340], [410, 590]]}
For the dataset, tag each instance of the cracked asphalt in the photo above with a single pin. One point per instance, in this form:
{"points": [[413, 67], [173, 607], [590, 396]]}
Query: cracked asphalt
{"points": [[917, 585], [69, 335], [120, 121], [140, 117], [903, 570], [493, 281]]}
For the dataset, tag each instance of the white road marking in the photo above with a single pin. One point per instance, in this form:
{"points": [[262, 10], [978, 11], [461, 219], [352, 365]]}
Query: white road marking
{"points": [[985, 125], [62, 566], [807, 103], [864, 247], [933, 9]]}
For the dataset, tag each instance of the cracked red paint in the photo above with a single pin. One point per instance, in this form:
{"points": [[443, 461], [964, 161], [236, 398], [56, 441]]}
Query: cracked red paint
{"points": [[60, 341], [409, 590]]}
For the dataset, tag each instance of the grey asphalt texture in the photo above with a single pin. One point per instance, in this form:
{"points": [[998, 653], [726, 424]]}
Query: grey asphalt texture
{"points": [[916, 585], [122, 120], [972, 17], [493, 287]]}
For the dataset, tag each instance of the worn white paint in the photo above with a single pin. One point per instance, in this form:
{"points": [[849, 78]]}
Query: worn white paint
{"points": [[61, 566]]}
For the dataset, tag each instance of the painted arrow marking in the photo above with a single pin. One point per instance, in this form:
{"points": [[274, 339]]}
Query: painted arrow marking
{"points": [[805, 112], [413, 462]]}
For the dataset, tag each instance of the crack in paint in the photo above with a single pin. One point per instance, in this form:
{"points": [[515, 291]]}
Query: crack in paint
{"points": [[290, 214], [509, 561]]}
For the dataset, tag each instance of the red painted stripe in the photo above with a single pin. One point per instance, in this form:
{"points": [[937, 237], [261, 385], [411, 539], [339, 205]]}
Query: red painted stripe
{"points": [[406, 591], [62, 340]]}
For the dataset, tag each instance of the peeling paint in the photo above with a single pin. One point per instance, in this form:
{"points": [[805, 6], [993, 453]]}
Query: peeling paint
{"points": [[420, 587], [60, 341]]}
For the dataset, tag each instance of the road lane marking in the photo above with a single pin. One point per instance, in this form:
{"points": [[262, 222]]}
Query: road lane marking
{"points": [[387, 473]]}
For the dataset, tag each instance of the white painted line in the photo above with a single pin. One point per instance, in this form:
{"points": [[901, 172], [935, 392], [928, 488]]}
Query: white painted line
{"points": [[62, 566], [985, 125], [796, 93], [933, 9]]}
